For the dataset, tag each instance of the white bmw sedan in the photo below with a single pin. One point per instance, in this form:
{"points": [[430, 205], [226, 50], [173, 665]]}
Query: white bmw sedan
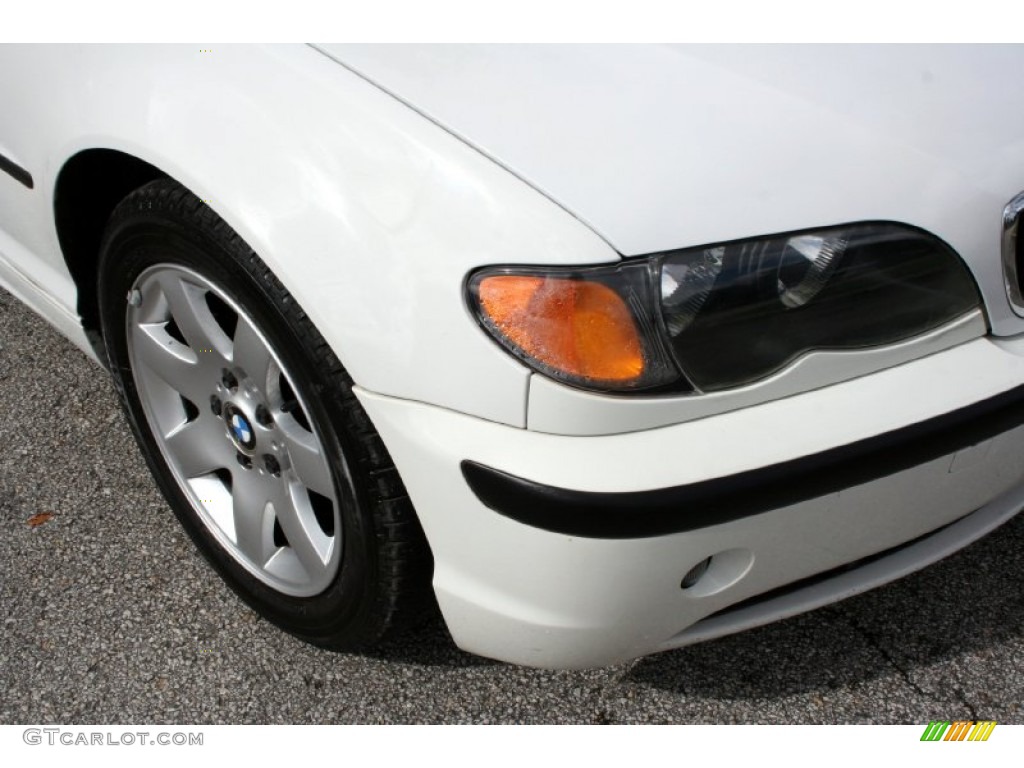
{"points": [[606, 350]]}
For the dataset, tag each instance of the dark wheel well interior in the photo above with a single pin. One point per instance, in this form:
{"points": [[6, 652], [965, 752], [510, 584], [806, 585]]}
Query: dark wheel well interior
{"points": [[89, 187]]}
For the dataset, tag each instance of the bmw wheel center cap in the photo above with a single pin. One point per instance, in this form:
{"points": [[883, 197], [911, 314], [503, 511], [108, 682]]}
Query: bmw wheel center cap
{"points": [[240, 428]]}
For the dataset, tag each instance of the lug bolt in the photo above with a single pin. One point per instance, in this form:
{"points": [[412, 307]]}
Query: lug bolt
{"points": [[229, 380], [216, 405], [263, 416], [244, 460], [272, 466]]}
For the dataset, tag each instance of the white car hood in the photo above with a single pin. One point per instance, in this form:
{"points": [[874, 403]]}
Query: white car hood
{"points": [[660, 147]]}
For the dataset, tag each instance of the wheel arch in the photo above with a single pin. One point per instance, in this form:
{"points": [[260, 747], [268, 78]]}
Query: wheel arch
{"points": [[88, 187]]}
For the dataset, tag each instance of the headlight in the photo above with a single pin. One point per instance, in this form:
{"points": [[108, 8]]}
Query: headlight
{"points": [[726, 315]]}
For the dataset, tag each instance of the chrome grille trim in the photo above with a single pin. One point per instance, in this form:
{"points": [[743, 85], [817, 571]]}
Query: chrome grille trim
{"points": [[1012, 272]]}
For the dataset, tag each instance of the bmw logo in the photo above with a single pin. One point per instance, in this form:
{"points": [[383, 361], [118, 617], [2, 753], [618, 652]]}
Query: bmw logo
{"points": [[240, 428]]}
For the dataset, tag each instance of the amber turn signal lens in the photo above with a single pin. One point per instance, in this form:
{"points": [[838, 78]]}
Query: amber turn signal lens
{"points": [[579, 328]]}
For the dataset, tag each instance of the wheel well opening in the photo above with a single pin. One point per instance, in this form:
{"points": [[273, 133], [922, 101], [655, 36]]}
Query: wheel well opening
{"points": [[89, 187]]}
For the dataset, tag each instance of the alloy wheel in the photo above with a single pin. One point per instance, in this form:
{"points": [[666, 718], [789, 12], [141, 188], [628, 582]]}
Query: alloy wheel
{"points": [[233, 429]]}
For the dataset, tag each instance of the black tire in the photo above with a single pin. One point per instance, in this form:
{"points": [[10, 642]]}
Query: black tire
{"points": [[383, 581]]}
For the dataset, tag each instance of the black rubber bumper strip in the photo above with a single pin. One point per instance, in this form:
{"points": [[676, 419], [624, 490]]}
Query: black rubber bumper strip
{"points": [[16, 171], [639, 514]]}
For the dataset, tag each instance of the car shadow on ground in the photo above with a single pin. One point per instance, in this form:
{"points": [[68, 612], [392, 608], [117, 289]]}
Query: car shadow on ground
{"points": [[968, 604]]}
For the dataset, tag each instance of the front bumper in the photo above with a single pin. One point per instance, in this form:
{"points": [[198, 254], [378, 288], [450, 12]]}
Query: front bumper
{"points": [[544, 594]]}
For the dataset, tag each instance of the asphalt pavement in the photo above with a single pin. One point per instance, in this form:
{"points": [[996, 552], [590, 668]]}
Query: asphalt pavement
{"points": [[110, 616]]}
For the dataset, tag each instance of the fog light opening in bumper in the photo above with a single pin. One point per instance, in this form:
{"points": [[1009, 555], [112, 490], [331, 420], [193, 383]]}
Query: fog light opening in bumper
{"points": [[717, 572], [694, 574]]}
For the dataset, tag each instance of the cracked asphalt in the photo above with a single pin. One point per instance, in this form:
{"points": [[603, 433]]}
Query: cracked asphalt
{"points": [[109, 616]]}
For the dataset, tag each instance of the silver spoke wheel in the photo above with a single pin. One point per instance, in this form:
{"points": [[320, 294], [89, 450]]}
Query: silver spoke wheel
{"points": [[235, 433]]}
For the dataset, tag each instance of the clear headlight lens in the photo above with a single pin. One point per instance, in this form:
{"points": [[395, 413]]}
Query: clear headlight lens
{"points": [[805, 265], [725, 315], [686, 285]]}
